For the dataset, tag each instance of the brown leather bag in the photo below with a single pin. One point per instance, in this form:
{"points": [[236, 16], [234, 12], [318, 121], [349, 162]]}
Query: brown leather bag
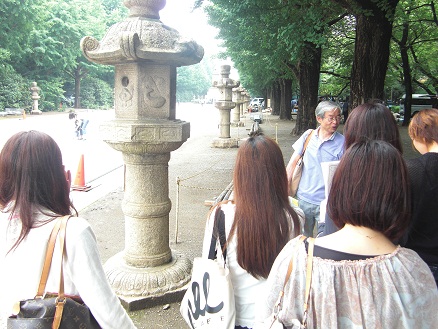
{"points": [[298, 171], [60, 311]]}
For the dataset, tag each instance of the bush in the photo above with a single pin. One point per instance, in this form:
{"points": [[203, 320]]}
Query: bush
{"points": [[14, 89]]}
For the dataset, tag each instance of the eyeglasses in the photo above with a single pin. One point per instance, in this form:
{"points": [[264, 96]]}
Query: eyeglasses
{"points": [[331, 119]]}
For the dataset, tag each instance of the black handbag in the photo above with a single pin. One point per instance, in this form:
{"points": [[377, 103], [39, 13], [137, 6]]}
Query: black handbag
{"points": [[56, 311]]}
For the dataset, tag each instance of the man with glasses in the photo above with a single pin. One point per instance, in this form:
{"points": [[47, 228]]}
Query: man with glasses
{"points": [[325, 144]]}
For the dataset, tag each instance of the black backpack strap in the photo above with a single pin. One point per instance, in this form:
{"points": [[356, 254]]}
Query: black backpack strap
{"points": [[218, 231]]}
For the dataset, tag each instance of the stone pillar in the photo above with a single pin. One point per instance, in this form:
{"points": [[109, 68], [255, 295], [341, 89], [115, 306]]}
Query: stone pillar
{"points": [[247, 101], [242, 100], [236, 110], [225, 86], [145, 54], [35, 97]]}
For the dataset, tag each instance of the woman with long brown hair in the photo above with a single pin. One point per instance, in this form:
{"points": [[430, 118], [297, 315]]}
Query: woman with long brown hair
{"points": [[259, 221], [34, 193]]}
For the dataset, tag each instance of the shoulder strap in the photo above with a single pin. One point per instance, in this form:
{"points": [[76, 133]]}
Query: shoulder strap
{"points": [[222, 235], [291, 262], [60, 301], [309, 269], [218, 232], [307, 142], [277, 306], [48, 258]]}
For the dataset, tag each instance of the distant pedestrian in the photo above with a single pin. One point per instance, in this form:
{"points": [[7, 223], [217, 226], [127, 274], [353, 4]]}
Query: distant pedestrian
{"points": [[80, 125], [345, 106], [423, 171]]}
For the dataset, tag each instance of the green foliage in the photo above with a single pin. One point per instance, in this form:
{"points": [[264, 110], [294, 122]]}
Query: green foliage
{"points": [[194, 81], [14, 89], [50, 94], [96, 94], [418, 19]]}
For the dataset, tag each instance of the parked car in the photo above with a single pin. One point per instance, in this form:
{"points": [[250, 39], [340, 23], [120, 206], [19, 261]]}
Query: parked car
{"points": [[257, 101], [419, 102]]}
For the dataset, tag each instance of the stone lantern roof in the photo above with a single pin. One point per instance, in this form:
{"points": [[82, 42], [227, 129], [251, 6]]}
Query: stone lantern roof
{"points": [[142, 37]]}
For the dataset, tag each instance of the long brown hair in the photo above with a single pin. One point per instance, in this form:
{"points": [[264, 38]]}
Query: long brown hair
{"points": [[32, 178], [263, 213]]}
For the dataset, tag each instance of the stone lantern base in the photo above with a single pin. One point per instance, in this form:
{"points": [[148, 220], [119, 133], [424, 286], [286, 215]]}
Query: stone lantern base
{"points": [[140, 288], [225, 143]]}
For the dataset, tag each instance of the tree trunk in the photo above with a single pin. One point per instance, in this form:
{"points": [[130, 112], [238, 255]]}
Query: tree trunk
{"points": [[373, 35], [77, 87], [275, 102], [406, 74], [308, 68], [286, 96]]}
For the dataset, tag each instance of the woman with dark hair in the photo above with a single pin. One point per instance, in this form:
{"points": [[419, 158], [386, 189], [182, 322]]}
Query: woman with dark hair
{"points": [[369, 121], [34, 193], [372, 121], [423, 171], [360, 279], [258, 223]]}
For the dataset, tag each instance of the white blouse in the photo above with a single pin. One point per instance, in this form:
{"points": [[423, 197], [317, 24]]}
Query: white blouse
{"points": [[83, 273]]}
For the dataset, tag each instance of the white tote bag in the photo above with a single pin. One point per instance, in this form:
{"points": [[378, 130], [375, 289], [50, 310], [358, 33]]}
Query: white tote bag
{"points": [[209, 299]]}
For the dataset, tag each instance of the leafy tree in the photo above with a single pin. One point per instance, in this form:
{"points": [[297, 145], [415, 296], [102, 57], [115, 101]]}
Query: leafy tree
{"points": [[96, 93], [280, 42], [14, 89], [194, 81], [416, 34], [374, 21]]}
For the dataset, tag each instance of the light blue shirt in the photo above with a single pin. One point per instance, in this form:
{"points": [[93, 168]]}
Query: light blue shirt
{"points": [[311, 188]]}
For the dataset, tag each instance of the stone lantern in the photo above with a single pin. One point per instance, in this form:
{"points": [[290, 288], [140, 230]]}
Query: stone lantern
{"points": [[35, 97], [146, 54], [225, 86]]}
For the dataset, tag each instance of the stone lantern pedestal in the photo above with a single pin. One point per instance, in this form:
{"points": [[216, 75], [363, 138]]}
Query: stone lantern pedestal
{"points": [[145, 54]]}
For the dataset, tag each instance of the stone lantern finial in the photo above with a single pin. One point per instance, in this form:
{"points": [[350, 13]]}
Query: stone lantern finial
{"points": [[145, 8]]}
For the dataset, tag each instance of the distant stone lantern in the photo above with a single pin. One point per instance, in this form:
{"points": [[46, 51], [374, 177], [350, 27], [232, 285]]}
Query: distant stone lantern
{"points": [[145, 53], [224, 103], [35, 97]]}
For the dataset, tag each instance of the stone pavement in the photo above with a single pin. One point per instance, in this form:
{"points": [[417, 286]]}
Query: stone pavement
{"points": [[204, 172]]}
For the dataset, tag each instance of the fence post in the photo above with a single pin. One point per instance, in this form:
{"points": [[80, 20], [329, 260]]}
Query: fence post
{"points": [[177, 209]]}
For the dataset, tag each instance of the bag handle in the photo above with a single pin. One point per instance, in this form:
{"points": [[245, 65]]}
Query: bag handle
{"points": [[218, 231]]}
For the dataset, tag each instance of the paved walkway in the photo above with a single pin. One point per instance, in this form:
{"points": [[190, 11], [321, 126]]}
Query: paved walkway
{"points": [[204, 172]]}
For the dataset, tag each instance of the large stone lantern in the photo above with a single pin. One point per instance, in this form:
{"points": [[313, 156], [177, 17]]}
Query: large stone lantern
{"points": [[145, 53]]}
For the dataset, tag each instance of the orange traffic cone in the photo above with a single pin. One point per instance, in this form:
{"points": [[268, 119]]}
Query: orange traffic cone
{"points": [[79, 182]]}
